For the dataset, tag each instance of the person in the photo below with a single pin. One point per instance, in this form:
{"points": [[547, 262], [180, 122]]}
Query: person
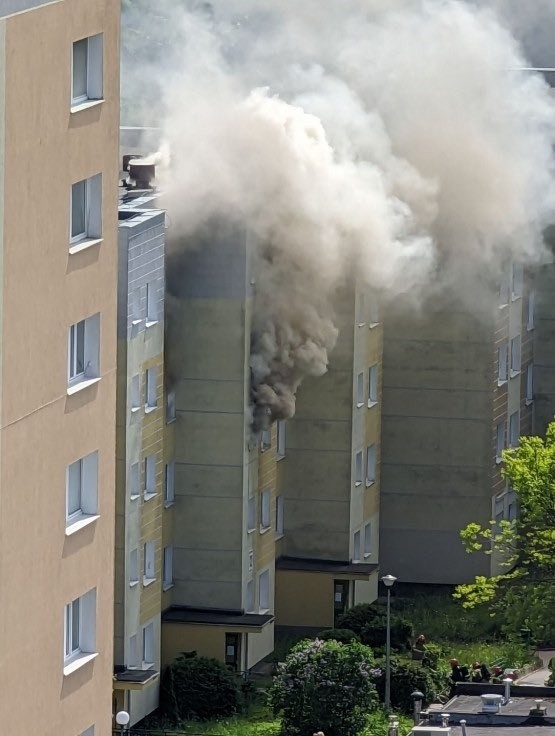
{"points": [[486, 674], [420, 642], [476, 672], [497, 674], [456, 676]]}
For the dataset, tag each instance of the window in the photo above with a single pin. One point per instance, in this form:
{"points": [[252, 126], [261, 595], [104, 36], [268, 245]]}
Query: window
{"points": [[515, 356], [79, 629], [249, 602], [168, 567], [374, 311], [83, 351], [530, 310], [372, 385], [360, 389], [151, 402], [88, 732], [232, 650], [150, 477], [359, 308], [251, 560], [264, 591], [504, 288], [170, 407], [87, 70], [251, 514], [499, 510], [132, 659], [516, 281], [169, 485], [82, 488], [265, 509], [529, 383], [148, 646], [151, 303], [514, 429], [135, 393], [279, 516], [149, 574], [358, 468], [356, 547], [281, 439], [135, 307], [367, 539], [266, 440], [370, 464], [86, 210], [134, 481], [500, 441], [502, 356], [512, 507], [134, 567]]}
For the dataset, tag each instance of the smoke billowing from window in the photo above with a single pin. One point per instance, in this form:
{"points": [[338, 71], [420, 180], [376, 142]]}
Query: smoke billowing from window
{"points": [[395, 143]]}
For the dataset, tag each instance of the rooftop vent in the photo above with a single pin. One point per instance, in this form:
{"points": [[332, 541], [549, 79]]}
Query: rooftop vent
{"points": [[142, 172], [431, 731], [491, 702], [539, 709]]}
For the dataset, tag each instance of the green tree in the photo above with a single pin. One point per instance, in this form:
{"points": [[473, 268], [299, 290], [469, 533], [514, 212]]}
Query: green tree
{"points": [[523, 595], [327, 686]]}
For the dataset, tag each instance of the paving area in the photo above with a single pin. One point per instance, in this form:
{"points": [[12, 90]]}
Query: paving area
{"points": [[539, 676]]}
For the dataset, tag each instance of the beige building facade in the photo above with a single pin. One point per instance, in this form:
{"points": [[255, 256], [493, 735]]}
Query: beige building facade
{"points": [[59, 116]]}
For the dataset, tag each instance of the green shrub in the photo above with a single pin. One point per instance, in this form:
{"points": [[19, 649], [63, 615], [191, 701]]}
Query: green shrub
{"points": [[198, 687], [408, 676], [342, 635], [357, 617], [325, 685], [369, 622]]}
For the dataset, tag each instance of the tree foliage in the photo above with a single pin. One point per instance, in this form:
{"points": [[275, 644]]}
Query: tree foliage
{"points": [[524, 593], [325, 686]]}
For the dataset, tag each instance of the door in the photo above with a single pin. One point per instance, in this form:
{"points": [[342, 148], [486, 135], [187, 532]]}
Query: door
{"points": [[340, 598], [233, 651]]}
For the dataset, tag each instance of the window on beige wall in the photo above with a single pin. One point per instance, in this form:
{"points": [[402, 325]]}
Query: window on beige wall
{"points": [[86, 210], [515, 356], [360, 390], [372, 385], [370, 464], [514, 429], [358, 468], [87, 69]]}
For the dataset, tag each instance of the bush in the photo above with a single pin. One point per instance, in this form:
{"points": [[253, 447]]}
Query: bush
{"points": [[325, 685], [408, 676], [342, 635], [369, 622], [198, 687]]}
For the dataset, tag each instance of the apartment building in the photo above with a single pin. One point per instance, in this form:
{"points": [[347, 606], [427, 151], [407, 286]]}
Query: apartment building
{"points": [[458, 389], [329, 478], [59, 115], [144, 475]]}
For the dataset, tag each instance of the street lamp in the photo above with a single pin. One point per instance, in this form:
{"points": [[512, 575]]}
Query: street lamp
{"points": [[388, 581], [122, 719]]}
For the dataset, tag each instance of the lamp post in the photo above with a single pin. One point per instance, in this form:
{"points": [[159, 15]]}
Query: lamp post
{"points": [[122, 719], [388, 581]]}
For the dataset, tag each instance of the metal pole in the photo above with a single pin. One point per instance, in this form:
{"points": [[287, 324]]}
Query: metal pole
{"points": [[388, 655]]}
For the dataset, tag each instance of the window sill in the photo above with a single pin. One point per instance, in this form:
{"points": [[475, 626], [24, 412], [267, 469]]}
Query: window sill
{"points": [[367, 555], [501, 382], [529, 328], [135, 409], [372, 325], [136, 322], [372, 403], [167, 586], [279, 535], [75, 525], [360, 404], [514, 297], [265, 448], [148, 581], [361, 324], [133, 583], [264, 529], [250, 531], [358, 483], [498, 460], [151, 322], [528, 402], [263, 610], [149, 409], [171, 420], [83, 244], [280, 457], [147, 665], [80, 661], [169, 504], [134, 497], [370, 483], [85, 105], [149, 495], [81, 385], [514, 374]]}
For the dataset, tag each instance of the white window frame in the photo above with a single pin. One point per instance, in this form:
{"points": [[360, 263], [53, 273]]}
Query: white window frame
{"points": [[149, 469], [249, 596], [500, 440], [371, 457], [279, 517], [171, 413], [82, 370], [515, 356], [504, 291], [356, 546], [151, 394], [151, 303], [135, 307], [134, 481], [372, 386], [251, 560], [169, 484], [281, 438], [502, 363], [530, 310], [367, 540], [133, 568], [168, 567], [359, 388], [529, 384], [135, 394], [133, 656], [92, 212], [149, 557], [517, 281], [94, 70], [264, 591], [85, 472], [265, 508], [514, 429], [148, 656], [251, 514], [83, 646], [265, 440], [357, 474]]}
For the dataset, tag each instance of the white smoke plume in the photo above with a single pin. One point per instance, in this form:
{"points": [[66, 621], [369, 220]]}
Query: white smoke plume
{"points": [[390, 142]]}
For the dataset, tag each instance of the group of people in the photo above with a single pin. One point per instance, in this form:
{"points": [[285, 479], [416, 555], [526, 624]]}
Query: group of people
{"points": [[478, 673]]}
